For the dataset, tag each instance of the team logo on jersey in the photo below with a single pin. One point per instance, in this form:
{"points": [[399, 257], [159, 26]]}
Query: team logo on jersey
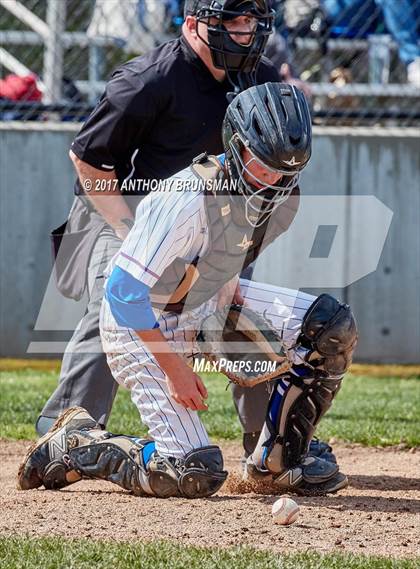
{"points": [[245, 244], [225, 210], [292, 162]]}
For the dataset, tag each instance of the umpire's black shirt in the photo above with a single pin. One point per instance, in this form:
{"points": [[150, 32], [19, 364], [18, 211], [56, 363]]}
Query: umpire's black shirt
{"points": [[158, 112]]}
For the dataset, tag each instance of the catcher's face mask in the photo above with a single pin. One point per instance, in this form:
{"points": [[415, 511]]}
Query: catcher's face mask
{"points": [[263, 186], [237, 33]]}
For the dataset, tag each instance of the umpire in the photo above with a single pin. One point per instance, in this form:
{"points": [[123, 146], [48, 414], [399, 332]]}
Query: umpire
{"points": [[158, 112]]}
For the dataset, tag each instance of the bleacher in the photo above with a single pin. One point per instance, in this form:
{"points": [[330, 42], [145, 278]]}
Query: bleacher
{"points": [[358, 80]]}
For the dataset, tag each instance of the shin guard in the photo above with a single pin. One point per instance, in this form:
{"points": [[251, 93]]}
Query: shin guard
{"points": [[292, 426]]}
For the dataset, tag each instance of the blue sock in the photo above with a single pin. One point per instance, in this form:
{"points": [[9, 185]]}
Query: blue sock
{"points": [[148, 451]]}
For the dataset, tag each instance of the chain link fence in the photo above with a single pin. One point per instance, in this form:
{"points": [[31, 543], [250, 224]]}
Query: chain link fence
{"points": [[358, 60]]}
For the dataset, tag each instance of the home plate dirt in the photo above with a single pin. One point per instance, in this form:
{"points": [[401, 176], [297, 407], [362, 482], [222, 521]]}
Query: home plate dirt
{"points": [[378, 514]]}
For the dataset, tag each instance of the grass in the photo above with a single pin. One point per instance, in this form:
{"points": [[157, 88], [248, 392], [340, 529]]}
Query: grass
{"points": [[51, 553], [375, 411], [368, 410]]}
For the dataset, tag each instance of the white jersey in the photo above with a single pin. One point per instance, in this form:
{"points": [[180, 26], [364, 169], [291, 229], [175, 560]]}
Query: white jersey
{"points": [[168, 225]]}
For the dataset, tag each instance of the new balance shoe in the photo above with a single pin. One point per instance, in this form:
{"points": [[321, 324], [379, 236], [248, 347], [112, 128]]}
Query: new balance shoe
{"points": [[46, 460]]}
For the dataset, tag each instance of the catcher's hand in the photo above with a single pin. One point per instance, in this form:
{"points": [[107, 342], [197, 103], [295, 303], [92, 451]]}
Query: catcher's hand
{"points": [[243, 345]]}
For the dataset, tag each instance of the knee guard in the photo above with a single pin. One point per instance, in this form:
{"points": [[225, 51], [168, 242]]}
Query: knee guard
{"points": [[293, 417], [198, 475], [329, 330], [120, 459]]}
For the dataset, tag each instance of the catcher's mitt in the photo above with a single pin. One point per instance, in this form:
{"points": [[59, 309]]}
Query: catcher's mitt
{"points": [[243, 345]]}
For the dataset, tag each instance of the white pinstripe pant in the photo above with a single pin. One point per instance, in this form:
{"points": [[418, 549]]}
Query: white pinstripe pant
{"points": [[177, 430]]}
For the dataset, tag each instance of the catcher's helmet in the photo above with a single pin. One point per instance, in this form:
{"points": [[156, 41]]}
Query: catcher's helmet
{"points": [[226, 53], [273, 122]]}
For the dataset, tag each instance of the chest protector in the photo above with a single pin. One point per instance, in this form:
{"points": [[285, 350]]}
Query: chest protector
{"points": [[233, 243]]}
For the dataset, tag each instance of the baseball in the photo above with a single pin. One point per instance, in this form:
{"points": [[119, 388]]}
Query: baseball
{"points": [[285, 511]]}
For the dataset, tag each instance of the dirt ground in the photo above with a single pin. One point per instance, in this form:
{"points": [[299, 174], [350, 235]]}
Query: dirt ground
{"points": [[377, 514]]}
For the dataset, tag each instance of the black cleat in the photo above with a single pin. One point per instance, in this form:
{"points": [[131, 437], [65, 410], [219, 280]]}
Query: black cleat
{"points": [[45, 462]]}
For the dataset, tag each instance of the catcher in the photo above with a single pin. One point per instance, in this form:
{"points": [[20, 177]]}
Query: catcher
{"points": [[173, 294]]}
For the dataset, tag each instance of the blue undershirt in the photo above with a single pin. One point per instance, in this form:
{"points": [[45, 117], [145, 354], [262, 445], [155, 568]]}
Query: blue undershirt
{"points": [[129, 301]]}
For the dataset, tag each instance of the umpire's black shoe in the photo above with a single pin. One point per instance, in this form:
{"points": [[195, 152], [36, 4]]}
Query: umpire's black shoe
{"points": [[45, 462]]}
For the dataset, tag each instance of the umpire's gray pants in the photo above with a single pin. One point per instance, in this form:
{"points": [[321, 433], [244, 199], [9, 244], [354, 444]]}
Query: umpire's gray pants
{"points": [[85, 379]]}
